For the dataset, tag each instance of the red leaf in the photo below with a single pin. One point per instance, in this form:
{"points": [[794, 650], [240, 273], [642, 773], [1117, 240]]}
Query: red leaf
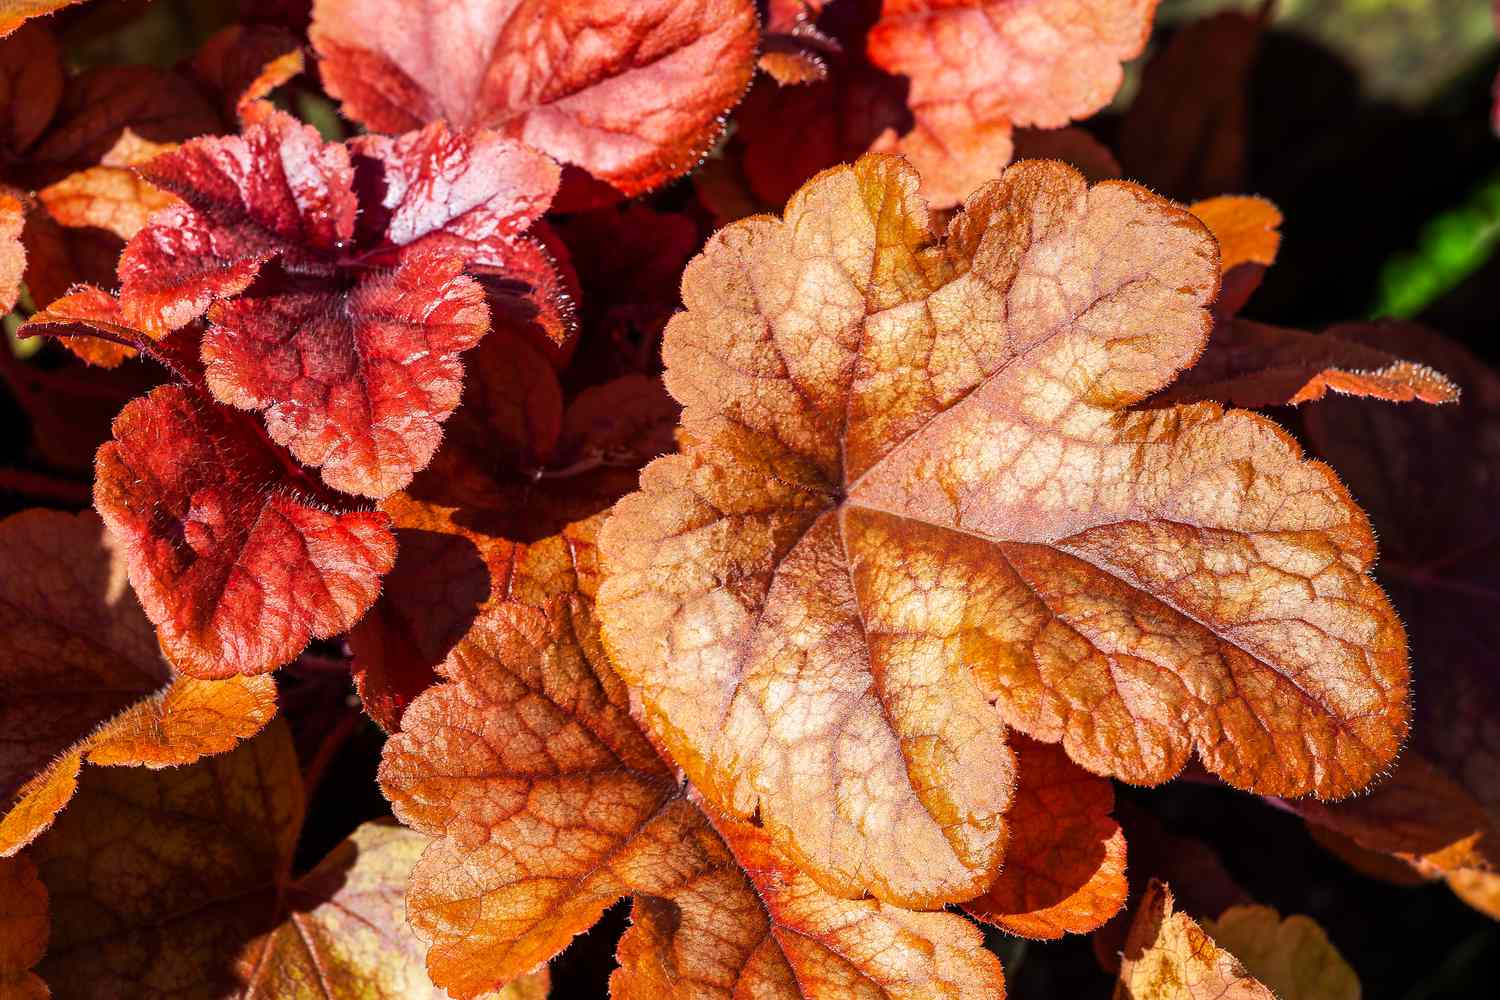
{"points": [[31, 86], [235, 565], [351, 346], [636, 106]]}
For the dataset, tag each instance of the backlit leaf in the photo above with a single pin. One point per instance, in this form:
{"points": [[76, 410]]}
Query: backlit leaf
{"points": [[1169, 957], [12, 251], [912, 504], [84, 676], [234, 555], [635, 107], [548, 804], [1065, 864], [13, 13]]}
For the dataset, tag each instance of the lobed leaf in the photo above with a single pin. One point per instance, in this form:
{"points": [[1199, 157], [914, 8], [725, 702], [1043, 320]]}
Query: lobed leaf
{"points": [[1169, 957], [85, 676], [233, 555], [912, 504], [548, 803], [350, 345], [635, 107], [978, 67]]}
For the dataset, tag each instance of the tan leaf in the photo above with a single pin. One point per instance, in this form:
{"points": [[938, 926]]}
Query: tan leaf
{"points": [[1293, 956], [1169, 957], [912, 504]]}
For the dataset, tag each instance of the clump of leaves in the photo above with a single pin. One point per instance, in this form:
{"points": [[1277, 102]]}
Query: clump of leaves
{"points": [[811, 586]]}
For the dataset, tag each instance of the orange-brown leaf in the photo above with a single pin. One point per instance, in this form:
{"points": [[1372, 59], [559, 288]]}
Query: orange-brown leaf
{"points": [[1293, 956], [23, 929], [548, 803], [911, 494], [182, 876], [103, 335], [1065, 864], [978, 67], [1169, 957], [635, 107], [85, 677], [111, 196], [1248, 229]]}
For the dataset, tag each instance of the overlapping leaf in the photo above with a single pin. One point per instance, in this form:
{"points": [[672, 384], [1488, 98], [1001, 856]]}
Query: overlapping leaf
{"points": [[912, 504], [12, 251], [234, 554], [1169, 957], [350, 343], [162, 881], [23, 929], [944, 84], [84, 676], [1293, 957], [548, 803], [635, 105], [14, 13]]}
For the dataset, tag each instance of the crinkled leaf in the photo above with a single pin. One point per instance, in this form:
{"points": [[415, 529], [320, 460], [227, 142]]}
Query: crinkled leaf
{"points": [[912, 504], [978, 67], [548, 803], [91, 324], [1065, 864], [1169, 957], [111, 195], [175, 877], [234, 556], [1293, 956], [84, 675], [23, 929], [635, 106], [350, 346]]}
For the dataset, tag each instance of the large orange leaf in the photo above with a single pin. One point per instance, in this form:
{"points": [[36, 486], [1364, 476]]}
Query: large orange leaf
{"points": [[236, 556], [1169, 957], [14, 13], [912, 504], [978, 67], [180, 879], [635, 106], [84, 677], [548, 803]]}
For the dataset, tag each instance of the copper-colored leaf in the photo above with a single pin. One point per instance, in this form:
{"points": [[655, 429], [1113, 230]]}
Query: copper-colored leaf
{"points": [[548, 803], [1065, 864], [23, 929], [100, 333], [1248, 229], [236, 560], [112, 195], [1293, 956], [85, 678], [245, 63], [978, 67], [175, 877], [636, 106], [913, 503], [1169, 957]]}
